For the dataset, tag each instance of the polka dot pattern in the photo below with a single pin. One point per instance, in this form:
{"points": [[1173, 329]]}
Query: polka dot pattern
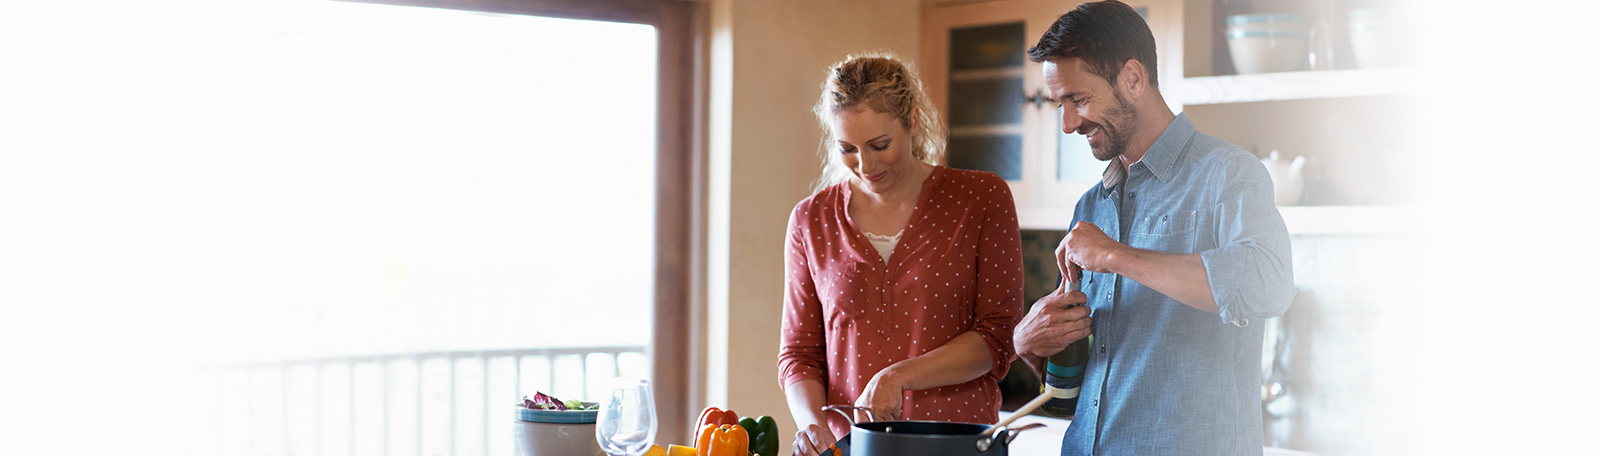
{"points": [[848, 313]]}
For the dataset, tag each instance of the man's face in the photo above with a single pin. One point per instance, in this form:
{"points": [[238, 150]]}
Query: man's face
{"points": [[1090, 106]]}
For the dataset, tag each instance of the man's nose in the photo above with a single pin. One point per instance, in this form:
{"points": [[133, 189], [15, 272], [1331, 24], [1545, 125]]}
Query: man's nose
{"points": [[1070, 120]]}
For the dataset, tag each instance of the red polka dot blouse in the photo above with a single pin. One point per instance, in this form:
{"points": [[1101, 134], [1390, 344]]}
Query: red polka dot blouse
{"points": [[848, 313]]}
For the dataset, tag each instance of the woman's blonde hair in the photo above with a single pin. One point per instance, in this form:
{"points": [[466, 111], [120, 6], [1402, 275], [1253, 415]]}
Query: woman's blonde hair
{"points": [[886, 84]]}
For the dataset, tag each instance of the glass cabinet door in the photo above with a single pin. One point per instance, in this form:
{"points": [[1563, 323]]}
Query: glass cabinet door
{"points": [[1074, 162], [987, 65]]}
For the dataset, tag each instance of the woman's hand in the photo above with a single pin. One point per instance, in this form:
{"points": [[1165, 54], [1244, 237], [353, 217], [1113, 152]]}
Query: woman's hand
{"points": [[883, 395], [812, 440]]}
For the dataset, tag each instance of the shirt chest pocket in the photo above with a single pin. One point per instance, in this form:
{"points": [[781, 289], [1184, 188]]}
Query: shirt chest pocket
{"points": [[1173, 232], [848, 294]]}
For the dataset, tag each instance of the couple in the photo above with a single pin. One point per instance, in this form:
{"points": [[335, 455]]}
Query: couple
{"points": [[904, 278]]}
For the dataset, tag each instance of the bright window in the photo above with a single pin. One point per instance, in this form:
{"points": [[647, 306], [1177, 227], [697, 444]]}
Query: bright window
{"points": [[452, 181], [397, 220]]}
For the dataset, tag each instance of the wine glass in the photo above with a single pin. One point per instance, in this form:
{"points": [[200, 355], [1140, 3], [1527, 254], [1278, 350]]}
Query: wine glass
{"points": [[626, 425]]}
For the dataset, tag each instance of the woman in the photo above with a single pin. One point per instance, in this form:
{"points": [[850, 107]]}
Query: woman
{"points": [[904, 278]]}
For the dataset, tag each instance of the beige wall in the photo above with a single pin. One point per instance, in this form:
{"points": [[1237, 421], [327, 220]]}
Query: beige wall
{"points": [[767, 59]]}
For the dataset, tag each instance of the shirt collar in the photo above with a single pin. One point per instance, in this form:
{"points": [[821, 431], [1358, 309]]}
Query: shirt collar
{"points": [[1113, 175], [1162, 158]]}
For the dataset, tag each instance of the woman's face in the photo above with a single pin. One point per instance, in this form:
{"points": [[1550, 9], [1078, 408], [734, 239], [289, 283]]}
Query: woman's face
{"points": [[876, 147]]}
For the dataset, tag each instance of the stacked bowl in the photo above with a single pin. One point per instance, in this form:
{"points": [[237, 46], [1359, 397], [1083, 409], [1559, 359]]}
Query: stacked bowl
{"points": [[1376, 38], [556, 433], [1266, 43]]}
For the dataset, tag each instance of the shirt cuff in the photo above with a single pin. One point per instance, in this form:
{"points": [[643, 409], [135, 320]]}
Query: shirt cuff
{"points": [[1222, 293], [800, 373]]}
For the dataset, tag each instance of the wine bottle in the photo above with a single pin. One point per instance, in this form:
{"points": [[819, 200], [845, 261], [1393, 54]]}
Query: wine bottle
{"points": [[1063, 374]]}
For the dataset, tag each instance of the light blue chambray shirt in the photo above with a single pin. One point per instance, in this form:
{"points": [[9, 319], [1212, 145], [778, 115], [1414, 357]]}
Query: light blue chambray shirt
{"points": [[1163, 377]]}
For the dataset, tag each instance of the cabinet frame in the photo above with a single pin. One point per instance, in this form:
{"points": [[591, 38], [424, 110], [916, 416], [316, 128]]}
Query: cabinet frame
{"points": [[1042, 201]]}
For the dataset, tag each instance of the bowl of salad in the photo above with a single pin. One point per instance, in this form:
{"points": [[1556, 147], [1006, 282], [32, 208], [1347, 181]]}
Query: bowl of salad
{"points": [[547, 426]]}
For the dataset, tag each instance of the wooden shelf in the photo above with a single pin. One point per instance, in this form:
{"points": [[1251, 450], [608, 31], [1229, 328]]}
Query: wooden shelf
{"points": [[1303, 220], [1295, 85]]}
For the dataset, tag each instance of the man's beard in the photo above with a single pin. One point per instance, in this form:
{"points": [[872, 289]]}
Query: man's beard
{"points": [[1118, 129]]}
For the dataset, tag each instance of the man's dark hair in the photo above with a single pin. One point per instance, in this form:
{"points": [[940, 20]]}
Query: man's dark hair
{"points": [[1104, 34]]}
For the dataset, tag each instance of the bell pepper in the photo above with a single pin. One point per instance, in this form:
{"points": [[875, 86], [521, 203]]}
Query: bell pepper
{"points": [[702, 442], [715, 440], [763, 434], [727, 440], [713, 415]]}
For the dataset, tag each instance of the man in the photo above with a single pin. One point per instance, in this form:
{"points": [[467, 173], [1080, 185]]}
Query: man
{"points": [[1177, 250]]}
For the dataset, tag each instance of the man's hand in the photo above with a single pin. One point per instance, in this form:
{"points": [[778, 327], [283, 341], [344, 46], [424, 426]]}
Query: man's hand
{"points": [[1086, 247], [1050, 326]]}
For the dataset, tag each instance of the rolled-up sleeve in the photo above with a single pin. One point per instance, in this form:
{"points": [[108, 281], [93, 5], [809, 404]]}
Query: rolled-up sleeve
{"points": [[802, 353], [999, 298], [1251, 271]]}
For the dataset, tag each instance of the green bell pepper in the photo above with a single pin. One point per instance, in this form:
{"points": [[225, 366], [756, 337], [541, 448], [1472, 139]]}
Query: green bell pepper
{"points": [[763, 434]]}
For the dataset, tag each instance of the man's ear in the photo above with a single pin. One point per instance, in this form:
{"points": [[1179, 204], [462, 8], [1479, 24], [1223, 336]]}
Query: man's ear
{"points": [[1133, 79]]}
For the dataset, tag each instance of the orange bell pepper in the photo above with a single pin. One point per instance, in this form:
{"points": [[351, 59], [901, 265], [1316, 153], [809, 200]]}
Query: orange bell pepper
{"points": [[724, 440], [702, 442], [729, 440]]}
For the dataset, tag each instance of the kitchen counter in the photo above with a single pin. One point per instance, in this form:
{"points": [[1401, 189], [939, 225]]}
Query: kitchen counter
{"points": [[1047, 440]]}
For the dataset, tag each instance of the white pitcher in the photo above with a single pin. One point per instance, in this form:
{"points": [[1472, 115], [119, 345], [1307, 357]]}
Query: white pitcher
{"points": [[1288, 179]]}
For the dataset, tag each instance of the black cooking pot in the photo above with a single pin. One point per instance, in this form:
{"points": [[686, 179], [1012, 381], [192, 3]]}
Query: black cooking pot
{"points": [[935, 438]]}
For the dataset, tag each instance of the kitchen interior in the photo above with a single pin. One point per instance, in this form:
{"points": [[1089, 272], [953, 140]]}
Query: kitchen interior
{"points": [[1330, 94], [1320, 90], [1295, 82]]}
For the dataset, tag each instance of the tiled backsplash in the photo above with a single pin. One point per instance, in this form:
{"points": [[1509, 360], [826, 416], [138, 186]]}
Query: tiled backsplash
{"points": [[1040, 274], [1040, 277], [1343, 342]]}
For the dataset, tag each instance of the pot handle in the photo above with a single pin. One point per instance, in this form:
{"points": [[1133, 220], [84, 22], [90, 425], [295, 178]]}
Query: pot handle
{"points": [[1012, 433], [1005, 435], [847, 418]]}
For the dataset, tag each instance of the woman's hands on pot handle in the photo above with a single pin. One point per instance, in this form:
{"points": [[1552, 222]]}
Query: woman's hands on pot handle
{"points": [[883, 395], [813, 440]]}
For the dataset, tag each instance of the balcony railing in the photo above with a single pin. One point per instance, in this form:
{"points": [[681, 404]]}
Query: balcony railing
{"points": [[456, 403]]}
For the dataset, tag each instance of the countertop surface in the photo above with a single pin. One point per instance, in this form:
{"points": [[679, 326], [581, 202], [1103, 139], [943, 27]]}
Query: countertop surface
{"points": [[1047, 440]]}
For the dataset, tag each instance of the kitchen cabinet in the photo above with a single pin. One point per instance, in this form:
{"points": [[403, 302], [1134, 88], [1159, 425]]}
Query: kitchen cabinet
{"points": [[974, 64], [1352, 123]]}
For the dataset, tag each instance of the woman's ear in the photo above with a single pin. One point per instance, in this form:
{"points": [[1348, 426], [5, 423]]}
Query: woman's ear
{"points": [[916, 120]]}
